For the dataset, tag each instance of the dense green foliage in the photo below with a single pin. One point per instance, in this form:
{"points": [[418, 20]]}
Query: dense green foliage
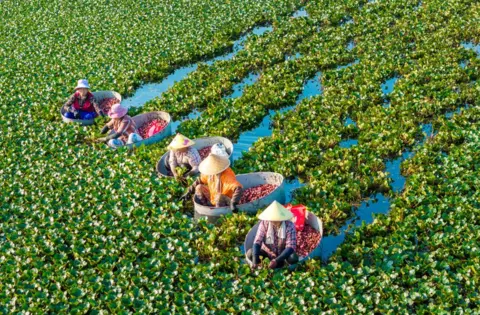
{"points": [[86, 229]]}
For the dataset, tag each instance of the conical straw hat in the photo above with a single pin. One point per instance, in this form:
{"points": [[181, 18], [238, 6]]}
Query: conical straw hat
{"points": [[275, 212], [180, 142], [213, 165]]}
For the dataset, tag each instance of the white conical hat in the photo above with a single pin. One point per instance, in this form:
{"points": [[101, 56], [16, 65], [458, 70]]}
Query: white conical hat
{"points": [[213, 165], [275, 212]]}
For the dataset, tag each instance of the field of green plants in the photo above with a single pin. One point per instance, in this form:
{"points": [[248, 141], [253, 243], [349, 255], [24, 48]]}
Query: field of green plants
{"points": [[85, 229]]}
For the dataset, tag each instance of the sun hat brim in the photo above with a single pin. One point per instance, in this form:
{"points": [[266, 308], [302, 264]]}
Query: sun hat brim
{"points": [[118, 113], [213, 165], [276, 212]]}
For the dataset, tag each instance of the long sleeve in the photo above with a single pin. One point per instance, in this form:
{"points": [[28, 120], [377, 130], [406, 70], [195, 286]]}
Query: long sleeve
{"points": [[172, 161], [237, 195], [93, 101], [291, 241], [194, 160], [261, 232], [69, 102], [256, 254], [284, 255]]}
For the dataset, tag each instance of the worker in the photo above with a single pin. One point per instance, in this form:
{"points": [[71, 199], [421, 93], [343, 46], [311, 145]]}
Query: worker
{"points": [[182, 154], [82, 103], [217, 185], [123, 129], [276, 238]]}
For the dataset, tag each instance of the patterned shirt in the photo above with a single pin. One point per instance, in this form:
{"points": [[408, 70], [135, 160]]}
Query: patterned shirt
{"points": [[123, 126], [279, 245], [190, 157], [82, 101]]}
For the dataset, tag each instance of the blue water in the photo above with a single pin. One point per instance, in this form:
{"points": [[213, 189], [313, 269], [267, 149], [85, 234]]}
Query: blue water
{"points": [[349, 122], [472, 46], [311, 88], [293, 57], [300, 13], [348, 143], [388, 85], [379, 205], [239, 87], [449, 115], [350, 45], [427, 130], [393, 168], [348, 64], [290, 187], [148, 92], [193, 115]]}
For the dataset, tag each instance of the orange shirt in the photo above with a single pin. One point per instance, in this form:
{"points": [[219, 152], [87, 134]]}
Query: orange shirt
{"points": [[228, 184]]}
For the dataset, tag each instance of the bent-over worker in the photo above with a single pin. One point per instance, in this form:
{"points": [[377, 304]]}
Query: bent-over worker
{"points": [[123, 129], [182, 154], [276, 238], [217, 185], [82, 103]]}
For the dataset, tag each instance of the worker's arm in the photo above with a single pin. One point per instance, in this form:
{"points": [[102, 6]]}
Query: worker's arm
{"points": [[69, 102], [194, 161], [93, 101], [257, 243], [291, 243], [172, 163], [237, 195]]}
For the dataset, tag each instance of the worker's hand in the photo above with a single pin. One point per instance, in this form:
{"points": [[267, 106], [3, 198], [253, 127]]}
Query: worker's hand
{"points": [[184, 197], [273, 264], [76, 113], [103, 139]]}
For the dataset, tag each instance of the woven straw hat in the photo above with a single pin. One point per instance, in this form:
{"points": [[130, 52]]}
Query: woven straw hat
{"points": [[214, 165], [180, 142], [275, 212]]}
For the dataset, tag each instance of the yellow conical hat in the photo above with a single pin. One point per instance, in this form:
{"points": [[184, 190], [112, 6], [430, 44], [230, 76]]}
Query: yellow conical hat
{"points": [[275, 212], [213, 165], [180, 142]]}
